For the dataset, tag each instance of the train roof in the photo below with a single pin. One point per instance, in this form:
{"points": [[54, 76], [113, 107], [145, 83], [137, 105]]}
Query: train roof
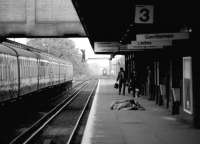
{"points": [[56, 59], [20, 52], [6, 50], [28, 51]]}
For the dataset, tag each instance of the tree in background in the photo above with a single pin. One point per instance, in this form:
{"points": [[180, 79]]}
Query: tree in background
{"points": [[64, 49]]}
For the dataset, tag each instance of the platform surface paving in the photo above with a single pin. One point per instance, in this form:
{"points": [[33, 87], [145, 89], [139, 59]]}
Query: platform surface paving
{"points": [[154, 125]]}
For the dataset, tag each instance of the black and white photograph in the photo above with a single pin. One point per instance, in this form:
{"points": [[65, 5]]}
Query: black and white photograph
{"points": [[99, 72]]}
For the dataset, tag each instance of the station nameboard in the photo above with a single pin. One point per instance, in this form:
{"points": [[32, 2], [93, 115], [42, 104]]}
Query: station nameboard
{"points": [[145, 45], [162, 36], [108, 47], [39, 18], [136, 48], [132, 48], [152, 43]]}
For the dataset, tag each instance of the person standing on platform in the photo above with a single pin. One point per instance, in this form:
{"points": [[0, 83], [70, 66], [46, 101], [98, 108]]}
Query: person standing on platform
{"points": [[122, 80]]}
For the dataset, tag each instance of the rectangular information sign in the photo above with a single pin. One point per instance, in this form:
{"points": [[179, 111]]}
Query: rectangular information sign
{"points": [[162, 36], [132, 47], [105, 47], [152, 43]]}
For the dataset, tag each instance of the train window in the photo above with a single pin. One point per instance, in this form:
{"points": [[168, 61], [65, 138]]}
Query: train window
{"points": [[1, 67], [21, 68], [31, 68], [43, 69], [25, 69], [21, 65], [6, 69], [42, 63], [13, 67], [28, 68], [1, 58], [1, 72], [34, 69]]}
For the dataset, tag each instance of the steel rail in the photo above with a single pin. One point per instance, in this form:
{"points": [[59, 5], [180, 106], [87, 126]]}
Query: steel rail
{"points": [[29, 134], [81, 115]]}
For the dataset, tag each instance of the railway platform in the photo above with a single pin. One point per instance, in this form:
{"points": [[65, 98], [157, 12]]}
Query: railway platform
{"points": [[154, 125]]}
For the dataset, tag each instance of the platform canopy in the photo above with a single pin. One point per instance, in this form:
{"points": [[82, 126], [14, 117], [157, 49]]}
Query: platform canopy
{"points": [[39, 18], [121, 20], [102, 21]]}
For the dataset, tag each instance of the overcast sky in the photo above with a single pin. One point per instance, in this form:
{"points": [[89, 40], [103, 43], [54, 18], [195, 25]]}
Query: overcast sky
{"points": [[81, 43]]}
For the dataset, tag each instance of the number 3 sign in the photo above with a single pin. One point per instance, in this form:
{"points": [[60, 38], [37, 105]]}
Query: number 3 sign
{"points": [[144, 14]]}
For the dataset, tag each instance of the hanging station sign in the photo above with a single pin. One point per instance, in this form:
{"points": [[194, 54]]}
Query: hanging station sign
{"points": [[131, 47], [106, 47], [146, 45], [162, 36], [152, 43], [144, 14]]}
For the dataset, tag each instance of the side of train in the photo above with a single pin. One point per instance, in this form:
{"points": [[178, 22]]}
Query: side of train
{"points": [[24, 70]]}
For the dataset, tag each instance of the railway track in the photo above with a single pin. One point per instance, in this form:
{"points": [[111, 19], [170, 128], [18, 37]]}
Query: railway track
{"points": [[18, 116], [68, 113]]}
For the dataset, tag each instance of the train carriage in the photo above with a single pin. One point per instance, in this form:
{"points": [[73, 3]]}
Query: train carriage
{"points": [[27, 62], [52, 70], [55, 72], [9, 81], [25, 70], [43, 63], [65, 71], [68, 70]]}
